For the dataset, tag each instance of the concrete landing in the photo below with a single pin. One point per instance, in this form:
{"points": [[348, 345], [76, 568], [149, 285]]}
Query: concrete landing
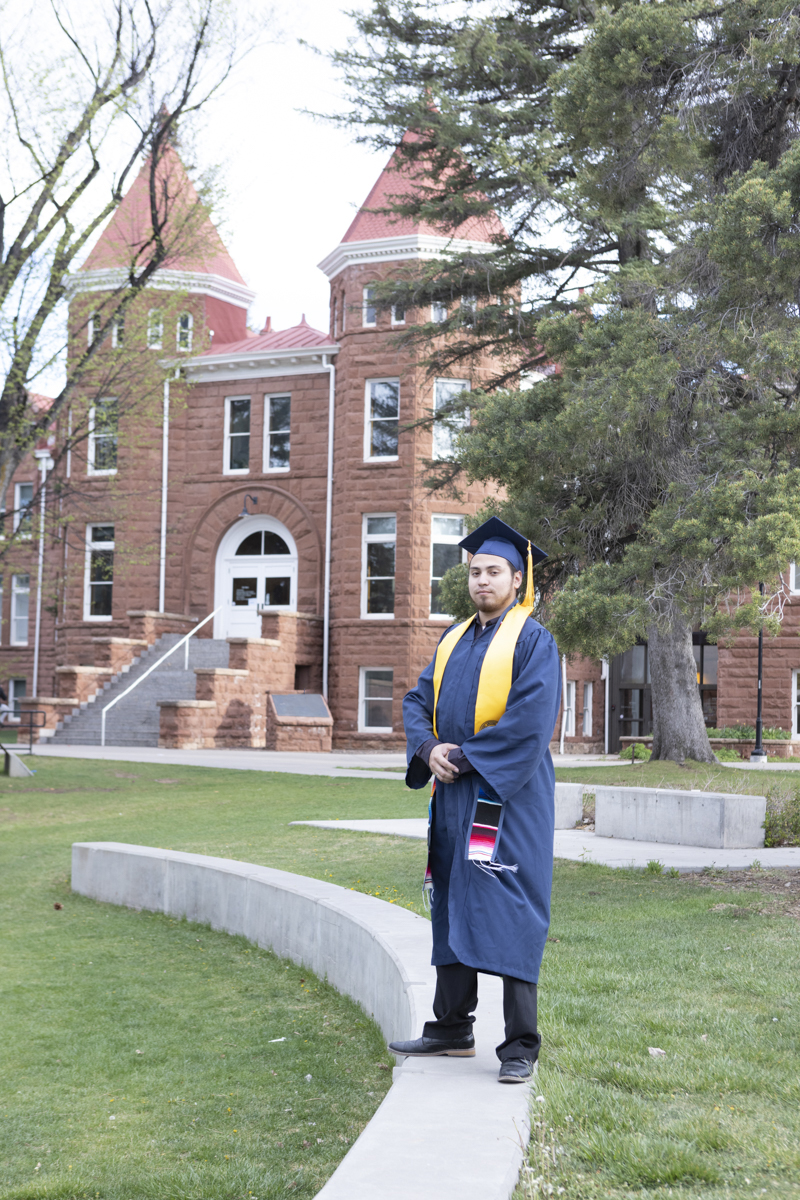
{"points": [[577, 844]]}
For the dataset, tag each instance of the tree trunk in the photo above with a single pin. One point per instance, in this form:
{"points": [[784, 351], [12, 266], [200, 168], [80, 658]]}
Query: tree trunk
{"points": [[679, 731]]}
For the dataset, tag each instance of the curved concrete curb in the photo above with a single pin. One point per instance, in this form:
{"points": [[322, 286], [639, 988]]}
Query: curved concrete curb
{"points": [[446, 1128]]}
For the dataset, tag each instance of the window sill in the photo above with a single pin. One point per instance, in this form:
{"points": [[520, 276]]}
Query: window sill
{"points": [[240, 471], [97, 620], [275, 470], [380, 462], [19, 644], [376, 729], [377, 616], [92, 473]]}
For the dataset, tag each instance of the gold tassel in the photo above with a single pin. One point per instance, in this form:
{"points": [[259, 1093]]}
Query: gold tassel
{"points": [[530, 598]]}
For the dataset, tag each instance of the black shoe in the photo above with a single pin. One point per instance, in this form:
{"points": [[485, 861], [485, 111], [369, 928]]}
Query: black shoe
{"points": [[431, 1047], [516, 1070]]}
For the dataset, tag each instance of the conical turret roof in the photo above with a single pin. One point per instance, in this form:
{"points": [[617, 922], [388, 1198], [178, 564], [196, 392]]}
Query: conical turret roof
{"points": [[195, 244], [402, 178]]}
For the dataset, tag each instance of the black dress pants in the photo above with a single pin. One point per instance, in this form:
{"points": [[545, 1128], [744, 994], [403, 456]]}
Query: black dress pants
{"points": [[456, 999]]}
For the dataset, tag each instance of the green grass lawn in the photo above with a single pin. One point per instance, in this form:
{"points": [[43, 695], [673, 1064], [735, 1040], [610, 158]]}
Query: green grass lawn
{"points": [[707, 776], [637, 960]]}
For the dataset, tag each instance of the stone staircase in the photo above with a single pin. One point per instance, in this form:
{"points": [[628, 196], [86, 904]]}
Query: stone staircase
{"points": [[135, 720]]}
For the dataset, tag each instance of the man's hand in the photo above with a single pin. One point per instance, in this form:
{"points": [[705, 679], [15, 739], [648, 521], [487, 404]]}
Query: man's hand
{"points": [[441, 768]]}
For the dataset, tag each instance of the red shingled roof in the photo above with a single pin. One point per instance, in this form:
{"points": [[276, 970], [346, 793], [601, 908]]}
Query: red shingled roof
{"points": [[397, 179], [198, 246], [40, 403], [298, 337]]}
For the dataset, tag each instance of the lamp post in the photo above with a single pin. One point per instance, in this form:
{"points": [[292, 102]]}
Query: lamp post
{"points": [[759, 756]]}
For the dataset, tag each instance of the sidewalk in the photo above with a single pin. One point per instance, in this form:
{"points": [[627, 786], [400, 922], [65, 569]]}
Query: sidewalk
{"points": [[580, 844], [350, 764]]}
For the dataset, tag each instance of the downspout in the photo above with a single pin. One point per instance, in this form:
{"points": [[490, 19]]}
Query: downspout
{"points": [[162, 562], [605, 674], [45, 462], [326, 601], [563, 702]]}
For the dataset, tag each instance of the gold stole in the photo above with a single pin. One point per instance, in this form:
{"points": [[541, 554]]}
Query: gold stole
{"points": [[494, 682]]}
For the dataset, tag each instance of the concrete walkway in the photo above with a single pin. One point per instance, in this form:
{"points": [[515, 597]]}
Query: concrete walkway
{"points": [[352, 764], [577, 844], [446, 1128]]}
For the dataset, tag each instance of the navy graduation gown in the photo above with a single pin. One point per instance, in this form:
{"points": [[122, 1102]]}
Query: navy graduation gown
{"points": [[492, 921]]}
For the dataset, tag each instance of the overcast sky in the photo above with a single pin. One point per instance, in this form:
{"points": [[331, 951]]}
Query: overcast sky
{"points": [[293, 183]]}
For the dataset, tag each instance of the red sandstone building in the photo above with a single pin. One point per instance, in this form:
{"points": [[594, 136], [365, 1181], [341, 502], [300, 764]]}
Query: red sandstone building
{"points": [[274, 480]]}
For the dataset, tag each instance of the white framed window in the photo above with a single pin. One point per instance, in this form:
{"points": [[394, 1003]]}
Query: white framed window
{"points": [[20, 602], [379, 545], [98, 579], [185, 331], [155, 329], [335, 321], [795, 707], [277, 432], [93, 326], [569, 709], [17, 691], [398, 314], [369, 311], [446, 533], [23, 513], [438, 311], [344, 312], [446, 430], [469, 310], [375, 699], [103, 437], [382, 419], [118, 332], [794, 579], [588, 691], [237, 435]]}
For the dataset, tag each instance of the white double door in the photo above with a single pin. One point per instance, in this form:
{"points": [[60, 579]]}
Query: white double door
{"points": [[247, 580]]}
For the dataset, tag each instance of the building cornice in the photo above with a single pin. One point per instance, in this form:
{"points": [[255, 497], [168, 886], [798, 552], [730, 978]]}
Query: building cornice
{"points": [[258, 364], [397, 249], [195, 282]]}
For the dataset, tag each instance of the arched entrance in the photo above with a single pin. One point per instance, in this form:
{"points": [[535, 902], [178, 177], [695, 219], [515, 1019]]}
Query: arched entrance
{"points": [[256, 565]]}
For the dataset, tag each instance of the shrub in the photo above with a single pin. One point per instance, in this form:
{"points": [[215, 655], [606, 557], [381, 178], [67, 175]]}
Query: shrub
{"points": [[728, 754], [642, 753], [782, 822]]}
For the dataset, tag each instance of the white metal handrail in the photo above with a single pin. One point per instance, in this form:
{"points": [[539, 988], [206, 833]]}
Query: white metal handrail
{"points": [[183, 642]]}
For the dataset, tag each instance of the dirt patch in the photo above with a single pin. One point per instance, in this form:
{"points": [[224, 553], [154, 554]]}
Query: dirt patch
{"points": [[782, 888]]}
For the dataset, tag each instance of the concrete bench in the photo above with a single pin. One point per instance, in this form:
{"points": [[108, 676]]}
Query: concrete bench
{"points": [[446, 1127], [569, 805], [717, 819]]}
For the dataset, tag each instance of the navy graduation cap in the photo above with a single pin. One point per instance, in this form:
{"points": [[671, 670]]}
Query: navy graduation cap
{"points": [[495, 537]]}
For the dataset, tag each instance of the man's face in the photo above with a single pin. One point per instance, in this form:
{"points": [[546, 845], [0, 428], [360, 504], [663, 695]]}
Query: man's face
{"points": [[492, 583]]}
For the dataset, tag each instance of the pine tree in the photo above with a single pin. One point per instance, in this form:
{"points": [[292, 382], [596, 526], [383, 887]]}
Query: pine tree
{"points": [[645, 153]]}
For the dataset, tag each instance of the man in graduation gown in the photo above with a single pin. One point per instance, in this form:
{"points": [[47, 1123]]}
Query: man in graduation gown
{"points": [[480, 720]]}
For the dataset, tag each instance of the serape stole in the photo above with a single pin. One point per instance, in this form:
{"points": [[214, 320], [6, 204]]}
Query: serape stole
{"points": [[484, 834]]}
